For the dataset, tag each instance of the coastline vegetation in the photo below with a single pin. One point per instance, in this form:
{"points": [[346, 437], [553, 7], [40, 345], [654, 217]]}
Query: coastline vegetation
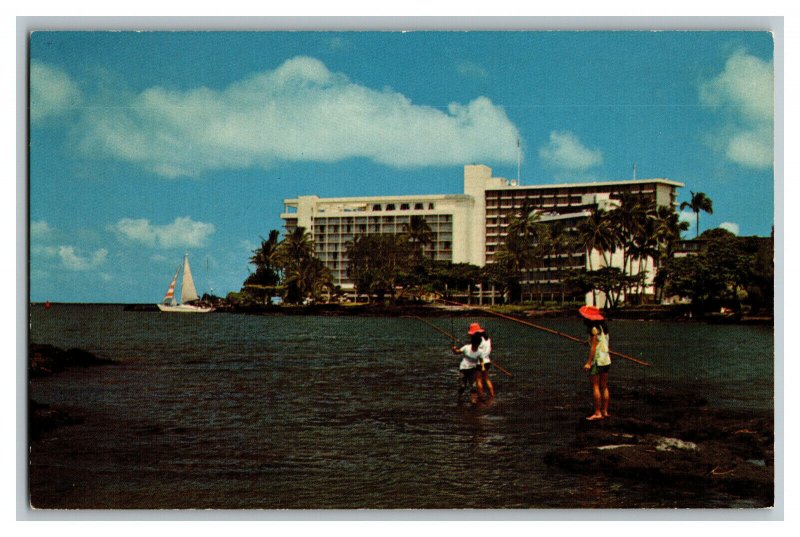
{"points": [[722, 272]]}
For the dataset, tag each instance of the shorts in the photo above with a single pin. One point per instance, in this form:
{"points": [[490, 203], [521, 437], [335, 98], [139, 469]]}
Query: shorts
{"points": [[468, 375], [597, 369]]}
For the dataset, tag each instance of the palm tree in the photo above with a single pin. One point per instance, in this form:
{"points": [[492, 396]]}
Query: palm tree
{"points": [[561, 239], [310, 277], [524, 223], [667, 229], [700, 202], [511, 260], [266, 272], [293, 255], [524, 234], [630, 225], [294, 247], [418, 233], [644, 247], [596, 232], [633, 224], [375, 263], [666, 232]]}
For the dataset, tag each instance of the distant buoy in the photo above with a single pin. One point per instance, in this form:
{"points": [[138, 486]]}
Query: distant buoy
{"points": [[47, 305]]}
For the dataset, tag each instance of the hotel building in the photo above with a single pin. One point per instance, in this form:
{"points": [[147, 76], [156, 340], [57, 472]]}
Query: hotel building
{"points": [[468, 227]]}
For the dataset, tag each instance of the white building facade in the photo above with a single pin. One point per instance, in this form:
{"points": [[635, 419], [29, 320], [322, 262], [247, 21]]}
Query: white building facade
{"points": [[468, 227], [334, 222]]}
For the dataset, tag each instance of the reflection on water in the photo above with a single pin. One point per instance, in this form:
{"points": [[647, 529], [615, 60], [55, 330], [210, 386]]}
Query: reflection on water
{"points": [[228, 411]]}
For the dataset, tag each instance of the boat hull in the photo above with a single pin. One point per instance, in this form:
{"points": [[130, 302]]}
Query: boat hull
{"points": [[184, 308]]}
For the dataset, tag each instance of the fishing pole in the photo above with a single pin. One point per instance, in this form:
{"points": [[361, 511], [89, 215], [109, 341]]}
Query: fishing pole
{"points": [[456, 340], [550, 330]]}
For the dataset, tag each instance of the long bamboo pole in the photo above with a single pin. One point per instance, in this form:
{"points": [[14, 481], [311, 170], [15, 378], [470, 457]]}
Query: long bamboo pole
{"points": [[456, 340], [550, 330]]}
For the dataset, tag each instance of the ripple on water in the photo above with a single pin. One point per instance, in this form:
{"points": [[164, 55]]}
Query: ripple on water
{"points": [[234, 411]]}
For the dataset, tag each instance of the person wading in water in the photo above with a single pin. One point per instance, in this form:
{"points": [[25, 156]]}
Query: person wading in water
{"points": [[476, 362], [599, 361]]}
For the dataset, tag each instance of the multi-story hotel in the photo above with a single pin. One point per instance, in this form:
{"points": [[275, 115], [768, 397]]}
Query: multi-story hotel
{"points": [[468, 227]]}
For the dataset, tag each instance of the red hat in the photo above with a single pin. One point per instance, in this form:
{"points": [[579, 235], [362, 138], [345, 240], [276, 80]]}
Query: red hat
{"points": [[474, 328], [591, 312]]}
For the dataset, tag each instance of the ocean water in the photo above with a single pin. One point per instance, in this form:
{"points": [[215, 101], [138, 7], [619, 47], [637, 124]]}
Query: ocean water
{"points": [[231, 411]]}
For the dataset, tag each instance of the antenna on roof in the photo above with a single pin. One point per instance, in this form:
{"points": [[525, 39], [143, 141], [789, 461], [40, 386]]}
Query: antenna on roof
{"points": [[634, 170], [518, 160]]}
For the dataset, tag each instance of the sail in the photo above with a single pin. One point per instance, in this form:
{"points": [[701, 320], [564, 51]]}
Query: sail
{"points": [[169, 298], [188, 292]]}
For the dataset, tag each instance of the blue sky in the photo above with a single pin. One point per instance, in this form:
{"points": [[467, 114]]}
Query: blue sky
{"points": [[147, 145]]}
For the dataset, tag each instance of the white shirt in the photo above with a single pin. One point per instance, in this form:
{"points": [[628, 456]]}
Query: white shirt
{"points": [[472, 358]]}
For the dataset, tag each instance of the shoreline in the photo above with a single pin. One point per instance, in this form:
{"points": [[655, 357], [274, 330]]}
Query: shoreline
{"points": [[677, 313], [649, 313]]}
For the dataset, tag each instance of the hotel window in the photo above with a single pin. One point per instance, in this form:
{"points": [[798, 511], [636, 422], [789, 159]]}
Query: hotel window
{"points": [[390, 207], [404, 206], [376, 207], [418, 206], [430, 206]]}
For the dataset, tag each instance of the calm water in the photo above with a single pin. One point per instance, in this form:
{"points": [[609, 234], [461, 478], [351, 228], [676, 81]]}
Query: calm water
{"points": [[231, 411]]}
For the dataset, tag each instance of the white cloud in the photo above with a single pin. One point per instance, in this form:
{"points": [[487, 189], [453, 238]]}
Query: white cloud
{"points": [[43, 251], [40, 229], [471, 70], [183, 232], [71, 260], [565, 152], [753, 149], [339, 44], [42, 236], [301, 111], [730, 226], [52, 91], [743, 92]]}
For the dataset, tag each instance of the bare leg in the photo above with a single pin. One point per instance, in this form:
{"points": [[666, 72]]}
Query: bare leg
{"points": [[479, 383], [488, 383], [598, 414], [605, 394], [463, 383]]}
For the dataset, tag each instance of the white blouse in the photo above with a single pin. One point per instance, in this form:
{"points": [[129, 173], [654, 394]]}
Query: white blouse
{"points": [[472, 358]]}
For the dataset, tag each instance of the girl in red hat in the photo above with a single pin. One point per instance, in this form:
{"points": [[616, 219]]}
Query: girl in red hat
{"points": [[599, 361], [476, 362]]}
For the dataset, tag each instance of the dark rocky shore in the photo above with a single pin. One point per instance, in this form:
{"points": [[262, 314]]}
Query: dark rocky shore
{"points": [[44, 360], [673, 441]]}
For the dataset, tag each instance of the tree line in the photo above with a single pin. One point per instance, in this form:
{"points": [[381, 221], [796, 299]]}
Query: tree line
{"points": [[640, 239]]}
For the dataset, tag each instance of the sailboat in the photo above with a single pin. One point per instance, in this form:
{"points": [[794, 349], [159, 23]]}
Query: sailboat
{"points": [[188, 293]]}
